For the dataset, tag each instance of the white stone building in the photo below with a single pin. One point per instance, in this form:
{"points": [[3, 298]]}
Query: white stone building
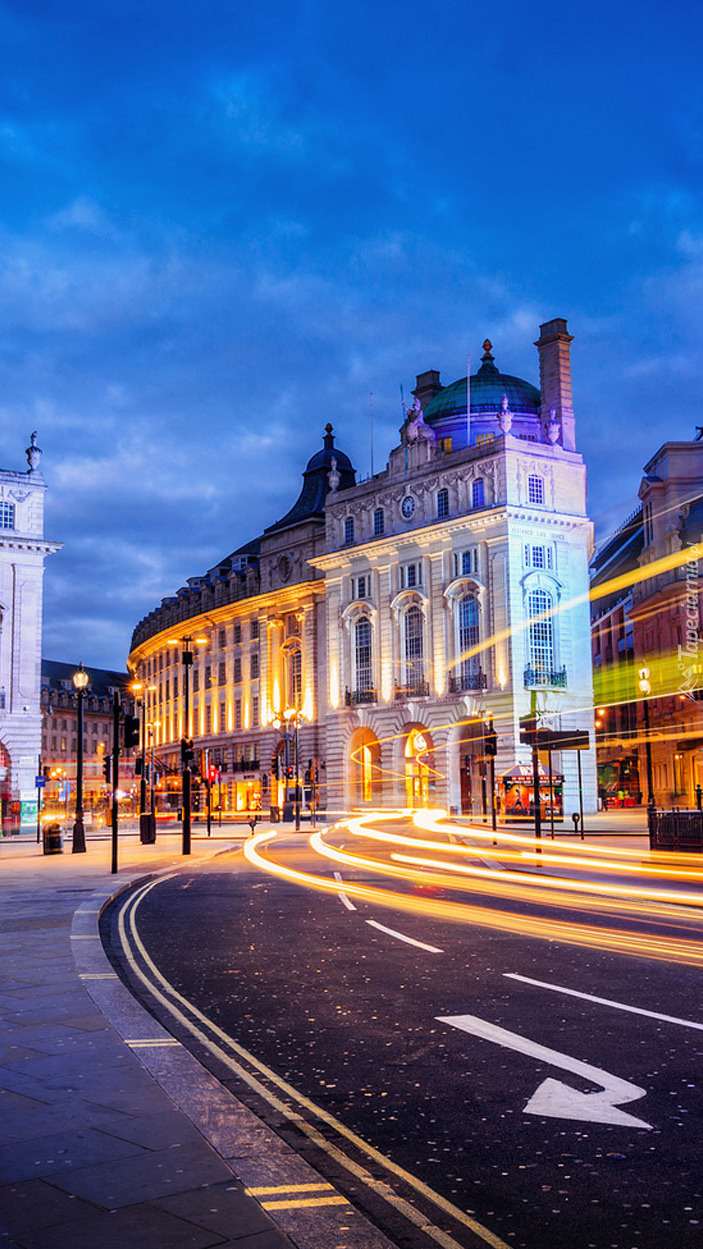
{"points": [[23, 549], [396, 613]]}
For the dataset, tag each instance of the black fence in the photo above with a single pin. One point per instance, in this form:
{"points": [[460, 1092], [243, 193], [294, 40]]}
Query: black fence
{"points": [[676, 830]]}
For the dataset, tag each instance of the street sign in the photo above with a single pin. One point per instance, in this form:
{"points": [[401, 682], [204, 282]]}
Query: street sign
{"points": [[39, 782]]}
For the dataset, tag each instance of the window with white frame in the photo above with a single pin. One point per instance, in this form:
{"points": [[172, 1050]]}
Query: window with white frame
{"points": [[348, 530], [467, 637], [378, 522], [442, 503], [361, 586], [535, 489], [538, 560], [7, 515], [363, 655], [413, 647], [255, 712], [541, 633], [410, 575], [478, 493], [466, 563], [238, 714]]}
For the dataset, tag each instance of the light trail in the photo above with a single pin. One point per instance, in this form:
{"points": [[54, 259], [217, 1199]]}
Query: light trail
{"points": [[654, 909]]}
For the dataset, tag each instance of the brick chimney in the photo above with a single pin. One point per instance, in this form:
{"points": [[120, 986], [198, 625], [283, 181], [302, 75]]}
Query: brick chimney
{"points": [[427, 386], [554, 347]]}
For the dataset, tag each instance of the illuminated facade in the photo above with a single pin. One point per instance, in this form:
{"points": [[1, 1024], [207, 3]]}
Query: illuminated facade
{"points": [[23, 549], [653, 627], [456, 590], [399, 612]]}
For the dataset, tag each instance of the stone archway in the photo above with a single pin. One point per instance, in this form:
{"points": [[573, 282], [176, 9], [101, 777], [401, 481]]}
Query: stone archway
{"points": [[365, 771]]}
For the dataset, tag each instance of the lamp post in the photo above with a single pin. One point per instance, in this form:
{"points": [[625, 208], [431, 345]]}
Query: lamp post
{"points": [[645, 689], [186, 744], [290, 721], [80, 680]]}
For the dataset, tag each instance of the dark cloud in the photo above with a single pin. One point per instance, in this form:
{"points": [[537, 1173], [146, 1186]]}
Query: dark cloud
{"points": [[225, 225]]}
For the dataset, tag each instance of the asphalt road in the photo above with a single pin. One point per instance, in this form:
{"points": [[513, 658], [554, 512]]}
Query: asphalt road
{"points": [[555, 1120]]}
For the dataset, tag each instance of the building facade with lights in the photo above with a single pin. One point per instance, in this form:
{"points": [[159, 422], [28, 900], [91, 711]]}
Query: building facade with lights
{"points": [[647, 651], [23, 549], [399, 613]]}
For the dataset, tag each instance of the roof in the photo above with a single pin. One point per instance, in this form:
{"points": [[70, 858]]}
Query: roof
{"points": [[488, 386], [310, 503], [102, 680]]}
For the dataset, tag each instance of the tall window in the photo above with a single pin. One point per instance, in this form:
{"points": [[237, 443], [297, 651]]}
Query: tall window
{"points": [[539, 602], [254, 630], [363, 654], [255, 712], [535, 489], [414, 669], [349, 530], [221, 675], [254, 668], [468, 636], [477, 493], [378, 523], [295, 677], [237, 667], [7, 515], [223, 639], [442, 504]]}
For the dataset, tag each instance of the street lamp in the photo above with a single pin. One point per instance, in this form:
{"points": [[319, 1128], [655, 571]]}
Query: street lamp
{"points": [[141, 690], [80, 680], [645, 689], [186, 752], [291, 720]]}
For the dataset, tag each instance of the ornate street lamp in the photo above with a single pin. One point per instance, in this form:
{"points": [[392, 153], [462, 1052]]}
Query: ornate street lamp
{"points": [[80, 680], [645, 690], [289, 724], [186, 740]]}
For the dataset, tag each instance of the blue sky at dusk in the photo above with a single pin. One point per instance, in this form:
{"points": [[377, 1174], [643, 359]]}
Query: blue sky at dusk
{"points": [[224, 224]]}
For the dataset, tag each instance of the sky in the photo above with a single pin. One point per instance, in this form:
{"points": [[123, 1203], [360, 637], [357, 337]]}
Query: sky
{"points": [[224, 224]]}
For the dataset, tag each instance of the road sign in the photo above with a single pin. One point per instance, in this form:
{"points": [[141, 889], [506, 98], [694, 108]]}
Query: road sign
{"points": [[39, 782]]}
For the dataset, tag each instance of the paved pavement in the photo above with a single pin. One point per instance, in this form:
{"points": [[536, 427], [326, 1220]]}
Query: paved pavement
{"points": [[95, 1148], [93, 1151]]}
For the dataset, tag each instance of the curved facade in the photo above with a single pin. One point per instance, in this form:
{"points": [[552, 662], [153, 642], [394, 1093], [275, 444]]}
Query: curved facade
{"points": [[397, 614]]}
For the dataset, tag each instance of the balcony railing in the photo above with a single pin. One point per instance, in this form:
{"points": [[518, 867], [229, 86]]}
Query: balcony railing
{"points": [[357, 698], [245, 765], [419, 689], [459, 682], [553, 677]]}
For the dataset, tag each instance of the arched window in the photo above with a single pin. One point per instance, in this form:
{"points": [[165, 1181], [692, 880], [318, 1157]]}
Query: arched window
{"points": [[442, 504], [467, 622], [378, 522], [412, 648], [363, 657], [541, 637], [477, 493]]}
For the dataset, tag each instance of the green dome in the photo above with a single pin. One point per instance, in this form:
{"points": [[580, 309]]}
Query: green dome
{"points": [[487, 389]]}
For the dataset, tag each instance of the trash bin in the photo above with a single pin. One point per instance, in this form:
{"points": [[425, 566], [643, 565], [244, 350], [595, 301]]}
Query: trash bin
{"points": [[53, 840], [147, 828], [288, 812]]}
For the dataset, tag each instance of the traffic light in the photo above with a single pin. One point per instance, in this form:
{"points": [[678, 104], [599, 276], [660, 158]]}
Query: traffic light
{"points": [[138, 766], [276, 766], [107, 768], [490, 738], [187, 752], [131, 731]]}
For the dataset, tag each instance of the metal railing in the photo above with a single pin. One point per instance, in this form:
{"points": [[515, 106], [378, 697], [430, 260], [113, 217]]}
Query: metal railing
{"points": [[554, 677], [419, 689], [245, 765], [467, 681], [675, 830], [356, 698]]}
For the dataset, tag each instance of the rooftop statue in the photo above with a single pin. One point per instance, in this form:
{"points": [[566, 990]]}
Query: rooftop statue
{"points": [[415, 428]]}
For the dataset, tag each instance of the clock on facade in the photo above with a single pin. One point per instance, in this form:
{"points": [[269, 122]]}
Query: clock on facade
{"points": [[407, 507]]}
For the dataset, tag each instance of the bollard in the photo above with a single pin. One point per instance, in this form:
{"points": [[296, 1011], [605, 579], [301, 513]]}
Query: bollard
{"points": [[575, 817]]}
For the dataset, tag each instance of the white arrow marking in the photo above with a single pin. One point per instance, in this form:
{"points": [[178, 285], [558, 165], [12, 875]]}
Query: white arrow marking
{"points": [[552, 1097]]}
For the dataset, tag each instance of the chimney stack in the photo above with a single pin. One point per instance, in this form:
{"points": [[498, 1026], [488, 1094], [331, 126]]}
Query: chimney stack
{"points": [[427, 386], [554, 347]]}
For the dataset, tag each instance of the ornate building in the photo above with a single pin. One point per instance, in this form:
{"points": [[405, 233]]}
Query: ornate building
{"points": [[399, 613], [23, 549]]}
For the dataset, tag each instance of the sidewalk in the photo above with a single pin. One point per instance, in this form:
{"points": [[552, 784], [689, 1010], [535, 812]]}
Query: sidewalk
{"points": [[95, 1148]]}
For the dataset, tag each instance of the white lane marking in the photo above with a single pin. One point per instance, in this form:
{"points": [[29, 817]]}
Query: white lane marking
{"points": [[342, 896], [401, 937], [553, 1098], [604, 1001]]}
